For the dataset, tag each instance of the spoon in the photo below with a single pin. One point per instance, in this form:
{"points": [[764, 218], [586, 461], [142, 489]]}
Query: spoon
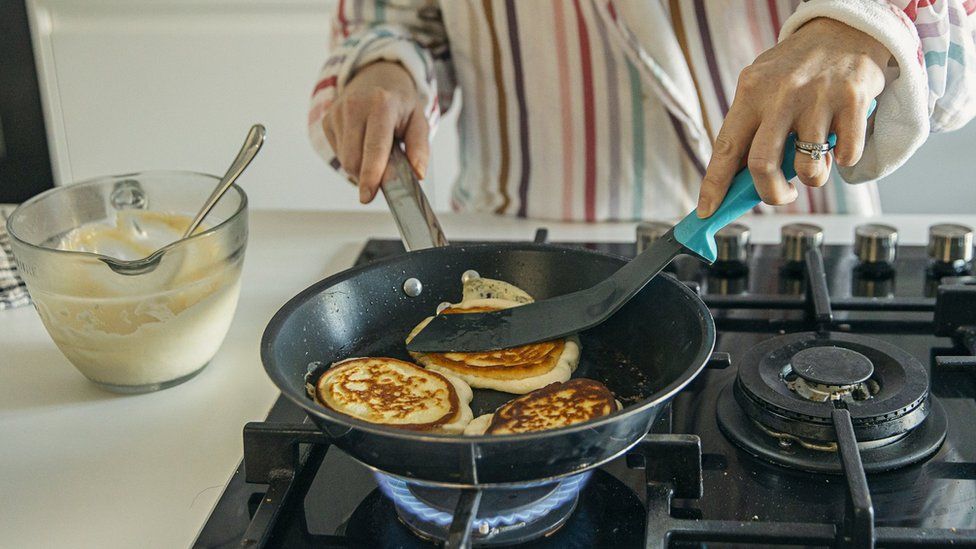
{"points": [[252, 144]]}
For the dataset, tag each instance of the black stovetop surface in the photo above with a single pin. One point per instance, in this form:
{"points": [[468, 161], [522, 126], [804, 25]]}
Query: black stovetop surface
{"points": [[939, 493]]}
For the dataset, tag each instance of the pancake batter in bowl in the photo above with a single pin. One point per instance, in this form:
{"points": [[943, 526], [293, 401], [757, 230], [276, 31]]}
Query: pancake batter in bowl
{"points": [[138, 332]]}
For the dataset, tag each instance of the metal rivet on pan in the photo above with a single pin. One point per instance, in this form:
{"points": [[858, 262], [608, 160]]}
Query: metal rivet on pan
{"points": [[469, 275], [412, 287], [442, 306]]}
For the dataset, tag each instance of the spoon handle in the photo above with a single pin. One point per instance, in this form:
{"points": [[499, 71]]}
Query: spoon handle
{"points": [[252, 144]]}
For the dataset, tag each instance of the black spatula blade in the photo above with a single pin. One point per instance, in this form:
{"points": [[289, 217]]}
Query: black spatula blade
{"points": [[552, 318]]}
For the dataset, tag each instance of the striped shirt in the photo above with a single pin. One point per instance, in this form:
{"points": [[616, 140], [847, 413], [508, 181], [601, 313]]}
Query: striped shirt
{"points": [[605, 110]]}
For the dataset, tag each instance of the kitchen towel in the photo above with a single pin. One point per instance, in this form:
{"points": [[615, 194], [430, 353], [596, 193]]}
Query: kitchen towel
{"points": [[13, 292]]}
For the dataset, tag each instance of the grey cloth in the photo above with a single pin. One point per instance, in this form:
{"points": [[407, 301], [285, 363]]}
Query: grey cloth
{"points": [[13, 292]]}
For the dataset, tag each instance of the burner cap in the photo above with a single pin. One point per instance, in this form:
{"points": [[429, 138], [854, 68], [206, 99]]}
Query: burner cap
{"points": [[832, 366]]}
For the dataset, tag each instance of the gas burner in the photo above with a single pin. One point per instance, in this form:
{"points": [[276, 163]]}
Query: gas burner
{"points": [[505, 515], [830, 373], [779, 407], [595, 501]]}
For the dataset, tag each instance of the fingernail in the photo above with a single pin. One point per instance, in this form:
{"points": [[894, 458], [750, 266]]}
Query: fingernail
{"points": [[364, 194], [419, 167], [704, 209]]}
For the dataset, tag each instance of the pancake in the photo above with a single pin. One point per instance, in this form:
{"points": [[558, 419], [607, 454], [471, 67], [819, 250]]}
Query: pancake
{"points": [[518, 370], [554, 406], [489, 288], [395, 393]]}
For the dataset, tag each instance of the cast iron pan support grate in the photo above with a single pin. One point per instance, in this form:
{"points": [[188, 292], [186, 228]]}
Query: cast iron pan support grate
{"points": [[818, 299], [286, 457], [680, 476], [955, 317], [819, 307], [858, 527], [459, 535]]}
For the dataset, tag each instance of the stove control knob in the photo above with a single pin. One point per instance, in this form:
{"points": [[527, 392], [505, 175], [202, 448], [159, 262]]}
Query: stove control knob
{"points": [[732, 242], [649, 231], [797, 238], [950, 243], [875, 243]]}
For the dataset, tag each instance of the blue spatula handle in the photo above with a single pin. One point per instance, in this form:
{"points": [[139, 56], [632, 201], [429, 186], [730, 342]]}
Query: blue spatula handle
{"points": [[698, 235]]}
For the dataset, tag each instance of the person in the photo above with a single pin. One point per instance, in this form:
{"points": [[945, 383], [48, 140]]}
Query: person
{"points": [[625, 109]]}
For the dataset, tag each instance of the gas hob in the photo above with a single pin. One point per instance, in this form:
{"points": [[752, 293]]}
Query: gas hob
{"points": [[836, 411]]}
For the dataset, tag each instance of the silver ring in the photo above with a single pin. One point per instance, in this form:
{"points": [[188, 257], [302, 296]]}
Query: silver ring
{"points": [[815, 151]]}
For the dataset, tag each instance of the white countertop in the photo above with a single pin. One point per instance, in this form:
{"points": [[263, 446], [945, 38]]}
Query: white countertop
{"points": [[80, 467]]}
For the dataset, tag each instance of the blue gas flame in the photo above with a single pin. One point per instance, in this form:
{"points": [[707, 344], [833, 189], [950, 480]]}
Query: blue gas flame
{"points": [[398, 490]]}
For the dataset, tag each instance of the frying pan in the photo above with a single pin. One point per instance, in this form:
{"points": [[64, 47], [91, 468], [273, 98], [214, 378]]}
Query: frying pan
{"points": [[647, 352]]}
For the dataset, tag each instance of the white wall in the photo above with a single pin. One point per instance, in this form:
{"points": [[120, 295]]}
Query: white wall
{"points": [[133, 85], [939, 178]]}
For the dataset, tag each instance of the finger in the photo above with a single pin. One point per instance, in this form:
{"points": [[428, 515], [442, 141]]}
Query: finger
{"points": [[765, 161], [330, 134], [376, 153], [327, 130], [812, 127], [727, 153], [335, 162], [415, 138], [350, 139], [850, 125], [332, 123]]}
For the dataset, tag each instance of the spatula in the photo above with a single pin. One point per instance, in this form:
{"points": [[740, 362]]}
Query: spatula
{"points": [[574, 312]]}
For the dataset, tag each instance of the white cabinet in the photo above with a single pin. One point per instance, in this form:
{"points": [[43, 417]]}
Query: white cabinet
{"points": [[131, 85]]}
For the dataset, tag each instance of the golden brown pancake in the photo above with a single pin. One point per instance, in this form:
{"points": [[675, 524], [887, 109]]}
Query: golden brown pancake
{"points": [[395, 393], [517, 370], [557, 405]]}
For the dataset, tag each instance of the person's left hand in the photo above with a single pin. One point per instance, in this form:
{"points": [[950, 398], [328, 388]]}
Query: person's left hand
{"points": [[818, 81]]}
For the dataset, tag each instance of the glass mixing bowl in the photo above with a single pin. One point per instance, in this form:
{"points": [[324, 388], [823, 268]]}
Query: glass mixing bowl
{"points": [[129, 319]]}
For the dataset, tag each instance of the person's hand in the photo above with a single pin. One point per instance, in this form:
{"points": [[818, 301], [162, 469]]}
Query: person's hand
{"points": [[379, 103], [818, 81]]}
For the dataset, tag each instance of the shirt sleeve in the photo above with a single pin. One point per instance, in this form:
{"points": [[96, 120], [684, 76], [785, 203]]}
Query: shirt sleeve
{"points": [[409, 32], [933, 87]]}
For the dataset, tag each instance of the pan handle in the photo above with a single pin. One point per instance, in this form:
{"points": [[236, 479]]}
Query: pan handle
{"points": [[414, 217]]}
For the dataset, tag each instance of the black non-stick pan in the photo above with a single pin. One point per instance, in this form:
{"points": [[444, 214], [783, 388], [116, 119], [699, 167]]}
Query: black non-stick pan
{"points": [[647, 352]]}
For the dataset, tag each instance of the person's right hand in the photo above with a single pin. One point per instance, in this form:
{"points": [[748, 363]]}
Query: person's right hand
{"points": [[379, 103]]}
